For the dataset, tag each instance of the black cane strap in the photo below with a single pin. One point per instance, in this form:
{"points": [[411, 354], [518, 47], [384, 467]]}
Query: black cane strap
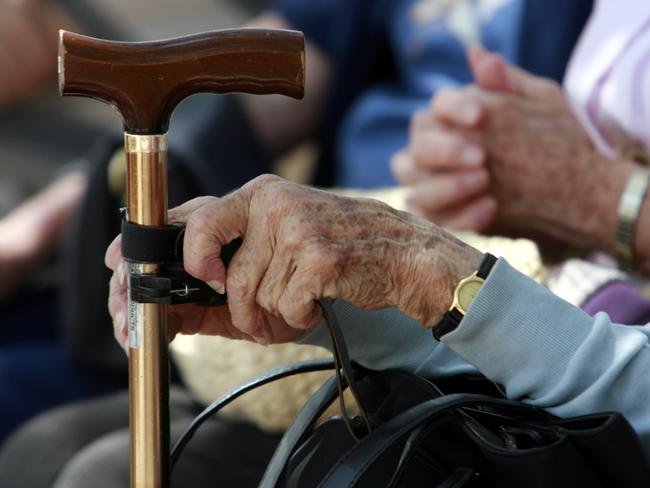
{"points": [[162, 245], [148, 244]]}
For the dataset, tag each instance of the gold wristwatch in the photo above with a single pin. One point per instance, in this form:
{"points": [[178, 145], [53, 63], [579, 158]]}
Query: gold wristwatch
{"points": [[464, 294]]}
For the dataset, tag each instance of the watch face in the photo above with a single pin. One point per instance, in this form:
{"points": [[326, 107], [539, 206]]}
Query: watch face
{"points": [[468, 291]]}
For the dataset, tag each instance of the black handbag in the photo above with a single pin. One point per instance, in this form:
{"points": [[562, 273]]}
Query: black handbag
{"points": [[456, 432]]}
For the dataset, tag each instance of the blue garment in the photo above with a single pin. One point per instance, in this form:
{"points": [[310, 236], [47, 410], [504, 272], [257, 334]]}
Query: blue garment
{"points": [[543, 350], [386, 66], [37, 376], [36, 370], [428, 57]]}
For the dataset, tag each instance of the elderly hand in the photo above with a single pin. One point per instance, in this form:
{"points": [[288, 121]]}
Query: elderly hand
{"points": [[300, 245], [445, 167], [544, 174]]}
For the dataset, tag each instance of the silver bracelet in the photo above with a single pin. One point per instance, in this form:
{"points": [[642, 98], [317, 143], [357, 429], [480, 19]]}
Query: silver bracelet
{"points": [[628, 213]]}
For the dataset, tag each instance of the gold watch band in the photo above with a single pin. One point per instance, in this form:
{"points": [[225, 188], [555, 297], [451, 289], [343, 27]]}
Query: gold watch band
{"points": [[628, 214]]}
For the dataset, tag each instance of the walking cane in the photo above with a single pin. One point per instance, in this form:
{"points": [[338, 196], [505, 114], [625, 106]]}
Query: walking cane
{"points": [[145, 82]]}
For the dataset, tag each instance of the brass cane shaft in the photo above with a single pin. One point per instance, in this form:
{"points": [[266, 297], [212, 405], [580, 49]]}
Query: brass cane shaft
{"points": [[148, 336]]}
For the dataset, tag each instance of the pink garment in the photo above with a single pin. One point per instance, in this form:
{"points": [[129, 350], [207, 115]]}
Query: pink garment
{"points": [[608, 78]]}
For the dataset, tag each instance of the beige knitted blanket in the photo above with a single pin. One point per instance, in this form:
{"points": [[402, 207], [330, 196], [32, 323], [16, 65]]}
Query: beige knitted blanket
{"points": [[211, 366]]}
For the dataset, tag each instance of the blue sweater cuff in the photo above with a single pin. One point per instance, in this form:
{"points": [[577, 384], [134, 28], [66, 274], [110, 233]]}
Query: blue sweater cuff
{"points": [[518, 333]]}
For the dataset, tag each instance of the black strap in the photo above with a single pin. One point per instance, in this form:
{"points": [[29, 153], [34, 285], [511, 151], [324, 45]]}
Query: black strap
{"points": [[344, 372], [450, 321], [487, 263], [162, 245], [298, 430], [269, 376], [459, 477], [149, 244], [357, 460]]}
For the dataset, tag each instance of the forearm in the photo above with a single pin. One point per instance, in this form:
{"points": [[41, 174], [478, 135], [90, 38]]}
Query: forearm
{"points": [[543, 350], [551, 354]]}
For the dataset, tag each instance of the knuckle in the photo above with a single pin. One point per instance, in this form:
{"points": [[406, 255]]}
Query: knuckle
{"points": [[196, 222], [237, 286], [266, 301], [293, 240], [320, 261], [294, 310], [275, 201], [280, 199], [265, 180]]}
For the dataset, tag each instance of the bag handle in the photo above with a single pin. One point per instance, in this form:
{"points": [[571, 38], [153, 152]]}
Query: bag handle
{"points": [[269, 376], [313, 409], [318, 402], [344, 373], [353, 465], [298, 430]]}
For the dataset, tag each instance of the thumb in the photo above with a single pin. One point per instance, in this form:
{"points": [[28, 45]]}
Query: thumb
{"points": [[209, 227], [492, 72]]}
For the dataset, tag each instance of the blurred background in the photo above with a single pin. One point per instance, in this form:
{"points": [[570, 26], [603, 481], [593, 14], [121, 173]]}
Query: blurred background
{"points": [[42, 132]]}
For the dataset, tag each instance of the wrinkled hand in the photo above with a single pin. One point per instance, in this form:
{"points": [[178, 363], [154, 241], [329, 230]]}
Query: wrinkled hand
{"points": [[446, 167], [28, 44], [447, 174], [543, 169], [300, 245]]}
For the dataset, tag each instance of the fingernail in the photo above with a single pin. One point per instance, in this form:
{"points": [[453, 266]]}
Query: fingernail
{"points": [[470, 113], [471, 156], [217, 286], [120, 274]]}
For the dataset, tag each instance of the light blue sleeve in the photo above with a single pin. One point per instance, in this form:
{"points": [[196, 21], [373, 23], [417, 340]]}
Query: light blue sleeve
{"points": [[545, 351]]}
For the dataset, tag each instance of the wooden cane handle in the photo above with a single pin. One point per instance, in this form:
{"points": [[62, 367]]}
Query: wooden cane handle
{"points": [[145, 81]]}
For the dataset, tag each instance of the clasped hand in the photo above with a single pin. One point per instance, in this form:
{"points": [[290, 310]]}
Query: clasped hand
{"points": [[507, 156]]}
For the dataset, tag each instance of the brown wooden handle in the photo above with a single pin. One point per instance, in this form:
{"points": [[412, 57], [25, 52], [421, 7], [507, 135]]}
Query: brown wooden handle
{"points": [[145, 81]]}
